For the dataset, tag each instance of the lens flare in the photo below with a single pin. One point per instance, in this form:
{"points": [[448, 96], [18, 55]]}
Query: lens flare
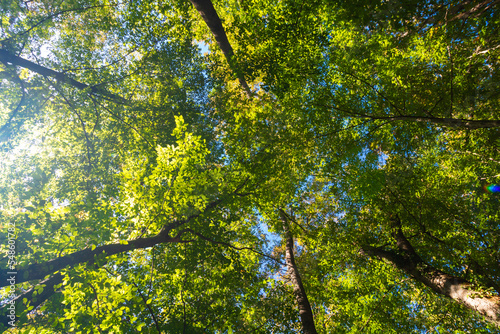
{"points": [[492, 188]]}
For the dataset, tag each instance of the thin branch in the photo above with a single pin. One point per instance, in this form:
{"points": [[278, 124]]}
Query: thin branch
{"points": [[479, 155], [148, 307], [123, 121], [152, 268], [143, 298], [98, 304], [344, 129], [364, 81], [477, 52], [182, 296], [293, 220], [19, 104], [375, 308], [201, 236], [72, 107], [474, 11], [55, 15], [444, 121]]}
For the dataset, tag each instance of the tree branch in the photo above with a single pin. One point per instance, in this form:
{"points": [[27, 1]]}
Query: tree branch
{"points": [[201, 236], [40, 270], [444, 121], [442, 283], [51, 16], [49, 290]]}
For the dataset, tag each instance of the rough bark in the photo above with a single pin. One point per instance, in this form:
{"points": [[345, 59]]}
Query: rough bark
{"points": [[305, 311], [8, 58], [40, 270], [456, 288], [209, 15]]}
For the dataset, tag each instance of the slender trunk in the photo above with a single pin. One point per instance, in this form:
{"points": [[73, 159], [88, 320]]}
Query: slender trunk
{"points": [[305, 311], [450, 286], [209, 15], [7, 57]]}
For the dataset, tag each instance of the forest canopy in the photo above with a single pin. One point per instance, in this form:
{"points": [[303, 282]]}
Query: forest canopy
{"points": [[249, 166]]}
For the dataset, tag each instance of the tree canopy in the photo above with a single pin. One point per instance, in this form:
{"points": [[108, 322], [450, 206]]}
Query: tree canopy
{"points": [[250, 166]]}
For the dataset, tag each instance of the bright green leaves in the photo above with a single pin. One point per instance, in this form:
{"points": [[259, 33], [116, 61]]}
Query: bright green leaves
{"points": [[97, 297], [315, 139], [178, 182], [182, 171]]}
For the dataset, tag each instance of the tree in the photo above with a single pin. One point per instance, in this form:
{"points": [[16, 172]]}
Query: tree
{"points": [[209, 15], [355, 82], [305, 311], [145, 190], [453, 287]]}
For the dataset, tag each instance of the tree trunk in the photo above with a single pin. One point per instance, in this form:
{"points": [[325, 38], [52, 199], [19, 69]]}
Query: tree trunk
{"points": [[40, 270], [7, 57], [209, 15], [305, 311], [450, 286]]}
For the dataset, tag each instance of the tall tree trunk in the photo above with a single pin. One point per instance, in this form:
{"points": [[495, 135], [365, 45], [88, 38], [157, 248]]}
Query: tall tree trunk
{"points": [[6, 57], [40, 270], [305, 311], [209, 15], [445, 284]]}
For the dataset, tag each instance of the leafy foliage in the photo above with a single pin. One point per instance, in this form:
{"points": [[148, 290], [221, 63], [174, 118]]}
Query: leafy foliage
{"points": [[137, 161]]}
